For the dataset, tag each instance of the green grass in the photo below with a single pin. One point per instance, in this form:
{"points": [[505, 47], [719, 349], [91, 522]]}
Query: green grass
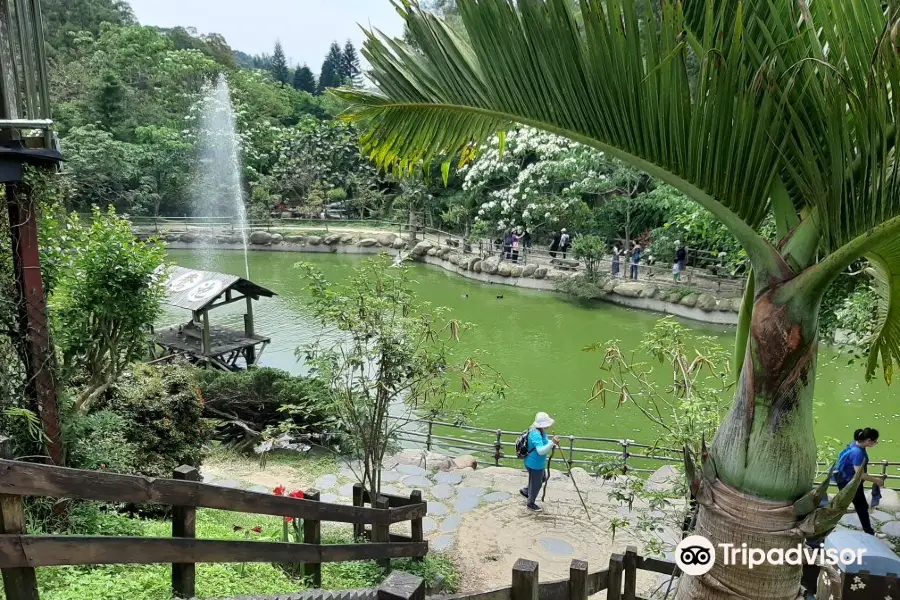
{"points": [[151, 582]]}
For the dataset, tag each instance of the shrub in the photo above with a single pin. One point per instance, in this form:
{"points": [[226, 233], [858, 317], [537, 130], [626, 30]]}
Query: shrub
{"points": [[589, 249], [582, 288], [261, 398], [162, 417], [97, 442]]}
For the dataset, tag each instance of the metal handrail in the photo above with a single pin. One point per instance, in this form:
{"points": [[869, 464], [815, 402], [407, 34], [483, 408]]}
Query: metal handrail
{"points": [[631, 462]]}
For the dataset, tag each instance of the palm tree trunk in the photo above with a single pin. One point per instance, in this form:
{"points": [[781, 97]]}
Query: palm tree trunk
{"points": [[763, 457]]}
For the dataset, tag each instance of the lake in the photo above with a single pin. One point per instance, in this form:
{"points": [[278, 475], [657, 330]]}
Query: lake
{"points": [[535, 339]]}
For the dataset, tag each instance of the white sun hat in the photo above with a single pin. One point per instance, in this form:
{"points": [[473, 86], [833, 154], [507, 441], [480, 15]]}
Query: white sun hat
{"points": [[542, 421]]}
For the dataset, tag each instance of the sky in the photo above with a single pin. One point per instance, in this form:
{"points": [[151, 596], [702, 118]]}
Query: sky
{"points": [[306, 28]]}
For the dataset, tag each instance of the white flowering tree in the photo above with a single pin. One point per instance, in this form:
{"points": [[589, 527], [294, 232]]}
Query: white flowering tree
{"points": [[533, 179]]}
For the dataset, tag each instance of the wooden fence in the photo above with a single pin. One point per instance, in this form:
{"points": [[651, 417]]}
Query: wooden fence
{"points": [[20, 553], [619, 580], [622, 455]]}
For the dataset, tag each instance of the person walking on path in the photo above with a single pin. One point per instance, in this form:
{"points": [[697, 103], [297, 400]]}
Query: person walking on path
{"points": [[507, 244], [516, 241], [554, 244], [615, 261], [635, 260], [680, 259], [539, 446], [852, 460], [565, 240]]}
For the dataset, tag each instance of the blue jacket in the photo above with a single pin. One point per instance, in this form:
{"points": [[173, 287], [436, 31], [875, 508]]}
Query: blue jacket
{"points": [[539, 446]]}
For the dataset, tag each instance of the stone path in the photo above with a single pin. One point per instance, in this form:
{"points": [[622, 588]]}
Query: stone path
{"points": [[476, 516], [885, 517]]}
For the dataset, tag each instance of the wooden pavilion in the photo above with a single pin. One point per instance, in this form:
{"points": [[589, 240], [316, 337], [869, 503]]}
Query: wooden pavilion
{"points": [[200, 342]]}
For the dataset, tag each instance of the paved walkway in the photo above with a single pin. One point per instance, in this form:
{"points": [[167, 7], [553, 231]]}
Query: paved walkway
{"points": [[477, 516]]}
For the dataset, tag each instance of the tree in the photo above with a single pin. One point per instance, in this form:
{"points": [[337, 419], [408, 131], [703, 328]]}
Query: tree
{"points": [[770, 131], [330, 76], [351, 74], [279, 68], [304, 80], [394, 353], [108, 295], [590, 249]]}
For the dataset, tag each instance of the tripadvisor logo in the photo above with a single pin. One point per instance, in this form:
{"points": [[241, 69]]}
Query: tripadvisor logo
{"points": [[696, 555]]}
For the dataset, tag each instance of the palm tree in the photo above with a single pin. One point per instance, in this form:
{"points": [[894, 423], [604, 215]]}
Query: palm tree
{"points": [[792, 114]]}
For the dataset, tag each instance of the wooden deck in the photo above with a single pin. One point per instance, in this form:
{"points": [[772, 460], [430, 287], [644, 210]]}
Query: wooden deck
{"points": [[227, 346]]}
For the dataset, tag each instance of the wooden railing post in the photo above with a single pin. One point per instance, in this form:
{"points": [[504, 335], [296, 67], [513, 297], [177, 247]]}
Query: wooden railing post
{"points": [[20, 583], [525, 584], [428, 439], [417, 525], [358, 528], [630, 565], [616, 567], [498, 448], [312, 534], [578, 580], [184, 525], [381, 533], [624, 457]]}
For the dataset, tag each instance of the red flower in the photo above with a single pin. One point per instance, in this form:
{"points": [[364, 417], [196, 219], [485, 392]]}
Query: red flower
{"points": [[257, 529], [289, 519], [280, 490], [297, 494], [200, 396]]}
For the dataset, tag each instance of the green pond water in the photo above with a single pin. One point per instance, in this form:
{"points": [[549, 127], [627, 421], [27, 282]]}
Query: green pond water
{"points": [[535, 339]]}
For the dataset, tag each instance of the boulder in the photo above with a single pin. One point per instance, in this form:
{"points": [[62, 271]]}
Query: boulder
{"points": [[565, 263], [422, 248], [445, 251], [490, 265], [190, 238], [470, 263], [286, 215], [367, 243], [332, 239], [398, 244], [261, 238], [347, 239], [540, 272], [629, 289], [650, 291], [454, 259], [517, 270], [529, 270], [386, 239], [314, 240], [673, 297], [504, 269], [706, 302], [477, 266], [664, 479], [690, 300], [736, 304], [465, 462], [277, 238], [610, 285], [296, 239], [432, 252]]}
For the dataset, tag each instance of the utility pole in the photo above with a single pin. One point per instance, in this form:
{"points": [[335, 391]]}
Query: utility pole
{"points": [[24, 109]]}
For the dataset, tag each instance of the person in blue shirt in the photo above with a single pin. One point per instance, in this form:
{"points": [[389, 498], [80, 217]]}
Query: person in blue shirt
{"points": [[852, 459], [539, 447]]}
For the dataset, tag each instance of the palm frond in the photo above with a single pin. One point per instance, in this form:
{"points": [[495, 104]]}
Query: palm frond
{"points": [[885, 342], [847, 117], [616, 80]]}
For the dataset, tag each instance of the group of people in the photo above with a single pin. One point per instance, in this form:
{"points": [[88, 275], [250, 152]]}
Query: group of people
{"points": [[560, 243], [513, 240], [852, 461], [635, 260]]}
